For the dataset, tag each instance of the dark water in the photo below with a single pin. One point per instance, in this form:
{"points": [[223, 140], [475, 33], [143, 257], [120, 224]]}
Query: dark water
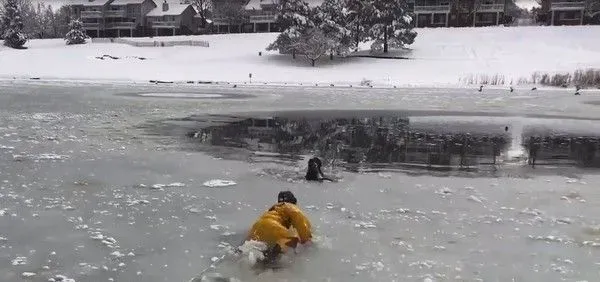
{"points": [[375, 141]]}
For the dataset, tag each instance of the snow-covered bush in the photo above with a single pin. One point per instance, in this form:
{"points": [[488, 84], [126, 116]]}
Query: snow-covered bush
{"points": [[76, 34]]}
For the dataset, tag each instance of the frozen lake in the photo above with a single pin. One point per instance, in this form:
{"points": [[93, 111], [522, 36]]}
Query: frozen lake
{"points": [[97, 184]]}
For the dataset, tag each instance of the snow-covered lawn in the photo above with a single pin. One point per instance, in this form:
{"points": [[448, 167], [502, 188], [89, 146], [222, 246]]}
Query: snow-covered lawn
{"points": [[438, 57]]}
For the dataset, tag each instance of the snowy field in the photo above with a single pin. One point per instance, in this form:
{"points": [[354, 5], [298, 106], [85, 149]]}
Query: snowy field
{"points": [[438, 57], [86, 191]]}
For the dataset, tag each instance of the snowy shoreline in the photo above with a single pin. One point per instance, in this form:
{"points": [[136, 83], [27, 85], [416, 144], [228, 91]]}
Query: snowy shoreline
{"points": [[186, 86], [447, 58]]}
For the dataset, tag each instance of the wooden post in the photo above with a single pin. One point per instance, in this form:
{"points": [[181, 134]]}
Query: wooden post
{"points": [[416, 20], [173, 31], [118, 32], [581, 20], [552, 23], [497, 18], [269, 26]]}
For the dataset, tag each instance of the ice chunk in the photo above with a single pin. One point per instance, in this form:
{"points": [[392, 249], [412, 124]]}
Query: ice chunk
{"points": [[161, 186], [117, 254], [444, 191], [51, 157], [219, 183], [19, 261], [474, 199], [365, 225], [531, 211], [27, 274], [137, 202]]}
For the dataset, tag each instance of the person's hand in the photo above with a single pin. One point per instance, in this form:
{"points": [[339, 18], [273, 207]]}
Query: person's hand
{"points": [[292, 243], [308, 244]]}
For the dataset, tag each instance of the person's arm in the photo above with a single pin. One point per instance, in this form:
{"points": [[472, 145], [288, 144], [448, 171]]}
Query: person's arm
{"points": [[319, 165], [300, 222]]}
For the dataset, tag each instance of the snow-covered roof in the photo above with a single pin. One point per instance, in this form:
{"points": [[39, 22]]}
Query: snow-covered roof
{"points": [[175, 9], [87, 2], [255, 4], [125, 2]]}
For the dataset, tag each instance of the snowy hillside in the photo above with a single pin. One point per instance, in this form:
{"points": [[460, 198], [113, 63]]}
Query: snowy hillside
{"points": [[438, 57]]}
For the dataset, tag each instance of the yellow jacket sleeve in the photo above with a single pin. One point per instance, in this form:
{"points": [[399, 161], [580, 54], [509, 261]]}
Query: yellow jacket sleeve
{"points": [[300, 222]]}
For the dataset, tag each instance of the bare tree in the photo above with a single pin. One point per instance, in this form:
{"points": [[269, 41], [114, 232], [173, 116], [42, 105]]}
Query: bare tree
{"points": [[203, 7], [314, 45]]}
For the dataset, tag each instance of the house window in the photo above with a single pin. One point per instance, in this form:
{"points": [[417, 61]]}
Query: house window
{"points": [[569, 15], [439, 19], [487, 18]]}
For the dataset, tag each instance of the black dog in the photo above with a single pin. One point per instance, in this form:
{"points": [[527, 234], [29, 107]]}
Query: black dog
{"points": [[313, 172]]}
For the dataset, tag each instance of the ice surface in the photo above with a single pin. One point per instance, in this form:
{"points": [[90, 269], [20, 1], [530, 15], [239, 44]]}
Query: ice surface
{"points": [[533, 225]]}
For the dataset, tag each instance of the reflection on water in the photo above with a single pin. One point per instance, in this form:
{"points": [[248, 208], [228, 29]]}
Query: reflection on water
{"points": [[363, 142]]}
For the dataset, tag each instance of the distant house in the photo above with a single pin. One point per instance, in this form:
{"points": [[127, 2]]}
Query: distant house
{"points": [[91, 13], [432, 13], [128, 16], [489, 12], [262, 15], [172, 19], [258, 16], [565, 12], [571, 12], [448, 13]]}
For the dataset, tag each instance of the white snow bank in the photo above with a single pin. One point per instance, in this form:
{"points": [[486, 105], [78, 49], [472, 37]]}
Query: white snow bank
{"points": [[439, 56]]}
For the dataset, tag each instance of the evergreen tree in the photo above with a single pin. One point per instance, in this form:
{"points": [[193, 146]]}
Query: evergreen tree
{"points": [[12, 23], [77, 34], [357, 20], [332, 19], [390, 24], [295, 17]]}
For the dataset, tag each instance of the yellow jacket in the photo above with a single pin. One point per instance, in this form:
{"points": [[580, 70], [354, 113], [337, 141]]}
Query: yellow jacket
{"points": [[273, 226]]}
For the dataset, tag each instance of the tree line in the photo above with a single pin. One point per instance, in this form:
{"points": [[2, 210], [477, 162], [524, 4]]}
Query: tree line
{"points": [[40, 20], [21, 20]]}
